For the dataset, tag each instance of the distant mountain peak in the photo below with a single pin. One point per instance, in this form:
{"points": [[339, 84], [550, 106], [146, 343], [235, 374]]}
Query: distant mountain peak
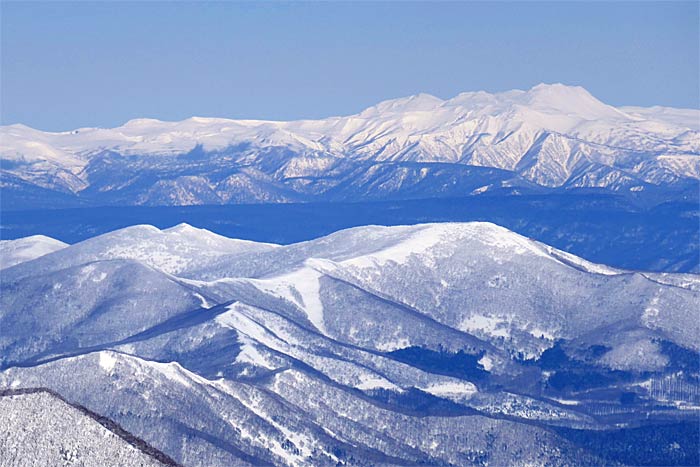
{"points": [[574, 100], [421, 102], [184, 227], [550, 136]]}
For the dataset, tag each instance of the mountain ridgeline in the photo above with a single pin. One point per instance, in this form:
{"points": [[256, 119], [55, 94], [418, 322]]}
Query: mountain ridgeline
{"points": [[403, 286], [432, 344], [551, 138]]}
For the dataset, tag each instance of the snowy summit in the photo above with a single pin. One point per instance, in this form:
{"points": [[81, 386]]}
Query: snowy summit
{"points": [[551, 136]]}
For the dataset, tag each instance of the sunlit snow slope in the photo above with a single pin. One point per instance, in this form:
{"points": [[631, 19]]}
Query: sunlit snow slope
{"points": [[546, 138], [25, 249], [38, 428], [441, 344]]}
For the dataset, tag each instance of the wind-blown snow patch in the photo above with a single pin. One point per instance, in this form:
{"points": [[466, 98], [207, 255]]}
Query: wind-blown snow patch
{"points": [[250, 354], [301, 287], [453, 390], [107, 361], [486, 325]]}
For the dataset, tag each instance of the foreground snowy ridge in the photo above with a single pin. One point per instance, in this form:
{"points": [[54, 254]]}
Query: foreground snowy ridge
{"points": [[41, 428], [443, 344], [550, 136]]}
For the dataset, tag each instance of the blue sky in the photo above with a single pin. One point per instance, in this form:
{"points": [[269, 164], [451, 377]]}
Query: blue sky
{"points": [[68, 65]]}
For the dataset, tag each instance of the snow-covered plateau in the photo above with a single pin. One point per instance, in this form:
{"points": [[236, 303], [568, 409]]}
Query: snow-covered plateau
{"points": [[433, 344], [551, 137]]}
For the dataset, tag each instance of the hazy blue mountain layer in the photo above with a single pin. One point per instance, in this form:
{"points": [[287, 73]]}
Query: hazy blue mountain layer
{"points": [[613, 230]]}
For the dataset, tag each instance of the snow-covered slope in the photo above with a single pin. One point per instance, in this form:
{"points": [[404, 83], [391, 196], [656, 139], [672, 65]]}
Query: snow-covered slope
{"points": [[443, 344], [65, 310], [13, 252], [38, 428], [292, 418], [689, 118], [476, 278], [549, 136], [176, 250]]}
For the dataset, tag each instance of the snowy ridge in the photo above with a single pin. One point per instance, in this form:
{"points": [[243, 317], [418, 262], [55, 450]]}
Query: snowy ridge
{"points": [[549, 136], [18, 251], [39, 427], [450, 344], [175, 250]]}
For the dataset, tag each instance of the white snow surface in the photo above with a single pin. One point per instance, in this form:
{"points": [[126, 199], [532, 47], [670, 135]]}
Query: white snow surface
{"points": [[553, 107], [176, 250], [689, 118], [477, 128], [42, 429], [300, 287], [297, 337], [18, 251]]}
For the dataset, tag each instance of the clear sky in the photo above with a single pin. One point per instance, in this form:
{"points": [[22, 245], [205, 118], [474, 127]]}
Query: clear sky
{"points": [[69, 65]]}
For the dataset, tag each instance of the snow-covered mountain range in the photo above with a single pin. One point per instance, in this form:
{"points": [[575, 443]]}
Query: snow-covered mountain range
{"points": [[549, 137], [438, 344]]}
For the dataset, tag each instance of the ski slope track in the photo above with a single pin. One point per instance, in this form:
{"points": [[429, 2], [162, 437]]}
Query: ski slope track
{"points": [[451, 344]]}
